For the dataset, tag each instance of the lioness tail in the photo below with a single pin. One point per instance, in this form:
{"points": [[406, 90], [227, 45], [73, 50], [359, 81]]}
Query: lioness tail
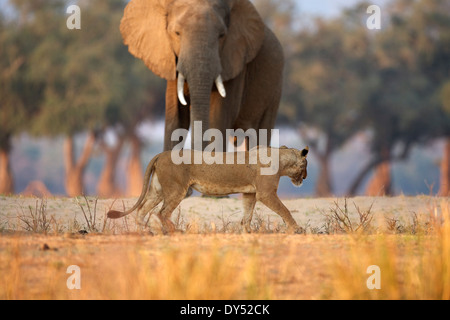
{"points": [[114, 214]]}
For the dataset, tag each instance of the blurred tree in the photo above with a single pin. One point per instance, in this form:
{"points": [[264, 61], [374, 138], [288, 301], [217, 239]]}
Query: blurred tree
{"points": [[280, 16], [397, 113], [11, 106], [19, 95], [137, 93], [342, 78], [106, 186], [283, 19], [429, 32], [325, 85], [403, 107], [91, 84], [76, 93], [444, 187]]}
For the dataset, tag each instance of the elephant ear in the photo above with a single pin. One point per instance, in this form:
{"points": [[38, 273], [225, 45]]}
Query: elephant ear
{"points": [[143, 28], [244, 38]]}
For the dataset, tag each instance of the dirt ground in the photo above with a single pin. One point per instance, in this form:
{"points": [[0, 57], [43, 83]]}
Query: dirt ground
{"points": [[211, 258], [94, 254], [210, 213]]}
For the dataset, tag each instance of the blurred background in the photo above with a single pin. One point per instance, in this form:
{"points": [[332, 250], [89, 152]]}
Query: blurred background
{"points": [[80, 115]]}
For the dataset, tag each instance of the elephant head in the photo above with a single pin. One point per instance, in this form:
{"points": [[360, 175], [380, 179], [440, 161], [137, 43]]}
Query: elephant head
{"points": [[201, 42]]}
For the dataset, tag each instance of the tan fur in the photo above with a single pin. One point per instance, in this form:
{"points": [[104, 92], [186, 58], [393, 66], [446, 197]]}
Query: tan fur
{"points": [[170, 183]]}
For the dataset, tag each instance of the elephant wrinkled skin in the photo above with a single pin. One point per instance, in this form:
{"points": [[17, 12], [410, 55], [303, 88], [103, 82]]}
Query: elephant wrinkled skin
{"points": [[226, 63]]}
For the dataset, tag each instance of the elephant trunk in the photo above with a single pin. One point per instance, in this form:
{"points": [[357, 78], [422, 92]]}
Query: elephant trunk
{"points": [[201, 69], [200, 95]]}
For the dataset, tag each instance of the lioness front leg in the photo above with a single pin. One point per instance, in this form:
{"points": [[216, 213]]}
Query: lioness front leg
{"points": [[274, 203], [248, 200]]}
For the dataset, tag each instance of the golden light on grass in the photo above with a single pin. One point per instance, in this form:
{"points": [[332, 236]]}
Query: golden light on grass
{"points": [[131, 270], [411, 266], [214, 265]]}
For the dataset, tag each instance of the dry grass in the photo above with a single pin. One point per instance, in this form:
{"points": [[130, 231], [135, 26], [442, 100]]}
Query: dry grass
{"points": [[217, 261], [133, 268], [413, 266], [338, 219]]}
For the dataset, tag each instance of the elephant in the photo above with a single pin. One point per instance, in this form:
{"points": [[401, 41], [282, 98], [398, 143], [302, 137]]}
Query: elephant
{"points": [[222, 64]]}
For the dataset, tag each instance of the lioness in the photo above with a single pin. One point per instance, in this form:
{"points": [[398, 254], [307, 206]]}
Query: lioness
{"points": [[171, 181]]}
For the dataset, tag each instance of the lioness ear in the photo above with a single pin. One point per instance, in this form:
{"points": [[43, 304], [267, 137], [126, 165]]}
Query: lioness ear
{"points": [[305, 152], [284, 147]]}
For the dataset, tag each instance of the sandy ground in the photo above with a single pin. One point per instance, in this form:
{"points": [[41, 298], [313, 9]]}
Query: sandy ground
{"points": [[289, 267], [216, 213], [212, 258]]}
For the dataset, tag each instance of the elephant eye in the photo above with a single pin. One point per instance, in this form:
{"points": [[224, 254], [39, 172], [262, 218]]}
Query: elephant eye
{"points": [[221, 35]]}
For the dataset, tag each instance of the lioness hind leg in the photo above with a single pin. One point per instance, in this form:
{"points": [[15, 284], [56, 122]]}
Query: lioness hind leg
{"points": [[170, 204], [152, 199], [167, 225], [149, 204], [274, 203], [249, 201]]}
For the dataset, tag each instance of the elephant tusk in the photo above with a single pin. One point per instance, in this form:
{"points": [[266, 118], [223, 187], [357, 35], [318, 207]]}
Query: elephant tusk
{"points": [[220, 86], [180, 89]]}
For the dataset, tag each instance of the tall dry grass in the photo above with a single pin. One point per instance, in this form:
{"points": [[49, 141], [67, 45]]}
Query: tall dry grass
{"points": [[233, 266], [177, 273], [134, 272], [411, 266]]}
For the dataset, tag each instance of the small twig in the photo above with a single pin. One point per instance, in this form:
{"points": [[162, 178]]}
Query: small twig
{"points": [[95, 210], [38, 222], [84, 214], [89, 207]]}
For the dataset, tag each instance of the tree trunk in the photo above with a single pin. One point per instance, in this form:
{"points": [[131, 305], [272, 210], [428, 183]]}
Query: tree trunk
{"points": [[75, 169], [360, 177], [106, 186], [6, 177], [380, 184], [135, 177], [323, 185], [74, 181], [444, 188]]}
